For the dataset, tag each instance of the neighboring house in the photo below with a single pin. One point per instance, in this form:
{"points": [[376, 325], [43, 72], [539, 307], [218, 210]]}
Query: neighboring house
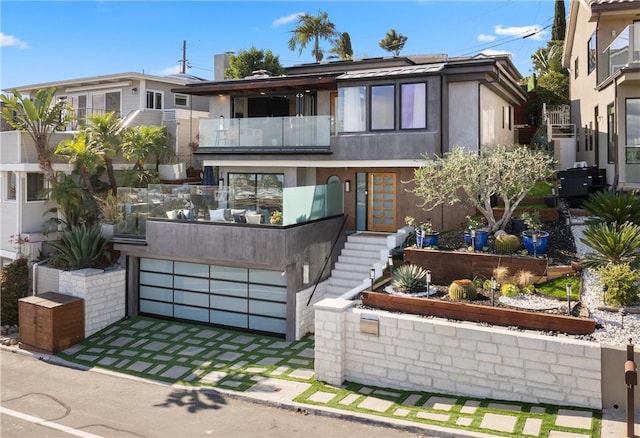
{"points": [[330, 145], [140, 98], [602, 53]]}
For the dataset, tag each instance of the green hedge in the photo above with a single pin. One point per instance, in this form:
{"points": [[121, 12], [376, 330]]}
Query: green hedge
{"points": [[14, 284]]}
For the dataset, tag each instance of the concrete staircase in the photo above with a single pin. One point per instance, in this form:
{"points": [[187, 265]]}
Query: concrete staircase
{"points": [[360, 253]]}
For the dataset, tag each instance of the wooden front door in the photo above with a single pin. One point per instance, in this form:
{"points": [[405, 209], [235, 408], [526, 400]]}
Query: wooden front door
{"points": [[382, 202]]}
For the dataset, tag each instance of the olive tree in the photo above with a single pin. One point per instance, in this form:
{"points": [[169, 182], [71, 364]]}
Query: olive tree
{"points": [[508, 172]]}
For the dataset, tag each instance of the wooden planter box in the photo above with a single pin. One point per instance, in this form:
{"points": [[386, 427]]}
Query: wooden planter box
{"points": [[476, 313], [50, 322], [446, 266]]}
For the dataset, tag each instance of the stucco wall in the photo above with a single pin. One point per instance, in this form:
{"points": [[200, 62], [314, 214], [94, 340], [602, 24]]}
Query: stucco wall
{"points": [[463, 115], [431, 354]]}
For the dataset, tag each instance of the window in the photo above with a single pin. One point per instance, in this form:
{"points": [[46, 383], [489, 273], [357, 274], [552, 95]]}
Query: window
{"points": [[181, 100], [382, 107], [611, 133], [591, 53], [256, 191], [575, 68], [35, 187], [154, 99], [413, 104], [632, 122], [352, 109], [12, 182]]}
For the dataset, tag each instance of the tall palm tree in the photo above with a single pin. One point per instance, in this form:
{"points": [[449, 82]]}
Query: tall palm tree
{"points": [[140, 142], [40, 117], [342, 48], [393, 42], [312, 28], [103, 130]]}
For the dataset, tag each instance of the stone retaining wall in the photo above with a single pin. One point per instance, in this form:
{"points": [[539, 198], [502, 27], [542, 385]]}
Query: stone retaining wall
{"points": [[103, 293], [430, 354]]}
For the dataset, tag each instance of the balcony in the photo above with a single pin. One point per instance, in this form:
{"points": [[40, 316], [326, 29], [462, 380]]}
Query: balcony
{"points": [[224, 206], [308, 132], [625, 49]]}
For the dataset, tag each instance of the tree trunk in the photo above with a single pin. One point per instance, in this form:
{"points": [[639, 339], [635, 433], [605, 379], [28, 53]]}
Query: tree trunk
{"points": [[112, 177]]}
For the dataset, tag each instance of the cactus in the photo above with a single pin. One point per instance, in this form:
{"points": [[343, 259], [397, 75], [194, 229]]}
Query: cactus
{"points": [[507, 243], [510, 290], [409, 279], [462, 290]]}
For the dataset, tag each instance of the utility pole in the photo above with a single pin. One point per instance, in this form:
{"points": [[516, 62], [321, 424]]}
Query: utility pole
{"points": [[183, 62]]}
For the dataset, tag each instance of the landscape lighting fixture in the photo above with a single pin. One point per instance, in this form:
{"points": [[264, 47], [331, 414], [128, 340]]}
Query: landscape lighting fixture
{"points": [[372, 276], [568, 298]]}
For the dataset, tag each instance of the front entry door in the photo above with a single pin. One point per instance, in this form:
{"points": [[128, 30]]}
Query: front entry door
{"points": [[382, 202]]}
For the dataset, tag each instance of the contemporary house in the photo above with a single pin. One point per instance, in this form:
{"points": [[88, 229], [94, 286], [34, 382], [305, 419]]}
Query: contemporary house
{"points": [[306, 176], [602, 53], [140, 98]]}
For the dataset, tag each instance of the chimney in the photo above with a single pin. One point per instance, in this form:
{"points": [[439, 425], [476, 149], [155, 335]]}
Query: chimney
{"points": [[220, 63]]}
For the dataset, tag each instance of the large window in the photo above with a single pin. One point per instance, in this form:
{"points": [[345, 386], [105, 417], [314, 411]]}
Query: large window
{"points": [[35, 187], [154, 99], [352, 109], [591, 53], [632, 130], [413, 102], [256, 191], [382, 107]]}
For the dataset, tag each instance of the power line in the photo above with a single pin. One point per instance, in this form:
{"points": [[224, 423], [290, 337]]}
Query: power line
{"points": [[501, 42]]}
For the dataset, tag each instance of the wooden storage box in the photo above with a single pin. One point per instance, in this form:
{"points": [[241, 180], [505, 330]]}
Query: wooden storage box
{"points": [[50, 322]]}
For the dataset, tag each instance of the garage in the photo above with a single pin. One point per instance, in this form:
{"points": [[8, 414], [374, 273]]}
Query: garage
{"points": [[244, 298]]}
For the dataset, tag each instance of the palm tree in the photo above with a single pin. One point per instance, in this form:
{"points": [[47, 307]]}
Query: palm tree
{"points": [[142, 141], [40, 117], [342, 48], [103, 130], [393, 42], [312, 28], [84, 155], [73, 200]]}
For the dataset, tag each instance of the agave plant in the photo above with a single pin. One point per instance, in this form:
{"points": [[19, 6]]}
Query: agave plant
{"points": [[612, 244], [615, 207], [81, 247], [409, 279]]}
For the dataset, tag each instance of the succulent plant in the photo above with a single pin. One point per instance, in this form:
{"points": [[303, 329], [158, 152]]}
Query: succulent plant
{"points": [[462, 290], [507, 243], [409, 279], [509, 290]]}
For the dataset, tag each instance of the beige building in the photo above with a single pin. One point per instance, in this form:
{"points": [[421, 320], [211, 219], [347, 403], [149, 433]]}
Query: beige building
{"points": [[602, 53]]}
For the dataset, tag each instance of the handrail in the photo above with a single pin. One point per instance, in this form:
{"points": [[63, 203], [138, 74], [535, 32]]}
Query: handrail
{"points": [[326, 259]]}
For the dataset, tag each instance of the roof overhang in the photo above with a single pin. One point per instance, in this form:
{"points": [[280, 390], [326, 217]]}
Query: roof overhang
{"points": [[279, 84]]}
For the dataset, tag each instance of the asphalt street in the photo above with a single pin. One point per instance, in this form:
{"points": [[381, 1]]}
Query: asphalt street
{"points": [[47, 400]]}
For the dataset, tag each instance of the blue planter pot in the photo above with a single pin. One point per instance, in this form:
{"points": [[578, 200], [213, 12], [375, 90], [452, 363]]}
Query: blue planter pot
{"points": [[429, 239], [542, 242], [481, 240]]}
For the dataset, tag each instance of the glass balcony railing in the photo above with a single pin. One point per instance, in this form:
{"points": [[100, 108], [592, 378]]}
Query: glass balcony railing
{"points": [[625, 49], [270, 207], [266, 132]]}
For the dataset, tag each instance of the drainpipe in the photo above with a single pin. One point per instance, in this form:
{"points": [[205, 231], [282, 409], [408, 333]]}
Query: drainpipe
{"points": [[35, 277], [616, 155]]}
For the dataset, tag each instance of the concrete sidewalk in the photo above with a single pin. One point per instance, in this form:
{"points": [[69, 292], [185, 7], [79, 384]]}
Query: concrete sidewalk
{"points": [[272, 371]]}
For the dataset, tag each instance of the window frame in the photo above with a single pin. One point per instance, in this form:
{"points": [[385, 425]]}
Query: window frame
{"points": [[372, 109], [10, 177], [182, 96], [40, 196], [155, 94], [611, 133], [401, 97], [592, 53]]}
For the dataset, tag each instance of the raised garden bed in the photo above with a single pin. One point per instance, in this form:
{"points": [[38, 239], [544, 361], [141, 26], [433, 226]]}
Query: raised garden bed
{"points": [[446, 266], [478, 313]]}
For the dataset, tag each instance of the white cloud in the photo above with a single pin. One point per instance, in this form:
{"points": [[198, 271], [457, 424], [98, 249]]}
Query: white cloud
{"points": [[486, 38], [535, 32], [490, 52], [286, 20], [170, 71], [10, 40]]}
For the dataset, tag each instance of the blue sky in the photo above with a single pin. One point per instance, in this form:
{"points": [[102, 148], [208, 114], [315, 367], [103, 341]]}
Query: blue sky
{"points": [[51, 40]]}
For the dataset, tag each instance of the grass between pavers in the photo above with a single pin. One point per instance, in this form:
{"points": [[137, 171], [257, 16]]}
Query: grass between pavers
{"points": [[184, 353], [356, 393]]}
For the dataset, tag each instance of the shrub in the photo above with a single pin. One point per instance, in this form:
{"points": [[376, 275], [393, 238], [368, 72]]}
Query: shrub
{"points": [[616, 207], [524, 278], [82, 247], [501, 274], [409, 279], [462, 290], [509, 290], [612, 244], [14, 284], [621, 282]]}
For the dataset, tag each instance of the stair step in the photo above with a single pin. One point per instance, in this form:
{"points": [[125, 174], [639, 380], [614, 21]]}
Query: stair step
{"points": [[352, 267], [358, 260], [350, 275], [349, 283]]}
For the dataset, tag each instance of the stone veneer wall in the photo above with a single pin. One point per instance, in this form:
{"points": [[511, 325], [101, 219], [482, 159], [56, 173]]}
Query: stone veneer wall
{"points": [[304, 313], [47, 279], [103, 293], [431, 354]]}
